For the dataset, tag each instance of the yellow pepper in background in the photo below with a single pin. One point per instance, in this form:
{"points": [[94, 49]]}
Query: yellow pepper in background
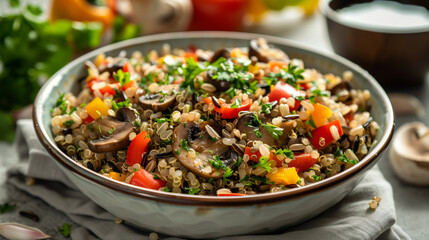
{"points": [[256, 10], [80, 10], [285, 176], [97, 108]]}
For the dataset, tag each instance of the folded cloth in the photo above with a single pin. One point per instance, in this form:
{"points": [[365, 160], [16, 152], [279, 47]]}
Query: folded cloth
{"points": [[349, 219]]}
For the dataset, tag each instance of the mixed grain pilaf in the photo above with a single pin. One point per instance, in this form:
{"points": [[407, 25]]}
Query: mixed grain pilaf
{"points": [[232, 122]]}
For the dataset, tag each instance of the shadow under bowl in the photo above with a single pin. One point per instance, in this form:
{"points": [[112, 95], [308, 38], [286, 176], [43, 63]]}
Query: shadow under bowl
{"points": [[396, 57], [196, 216]]}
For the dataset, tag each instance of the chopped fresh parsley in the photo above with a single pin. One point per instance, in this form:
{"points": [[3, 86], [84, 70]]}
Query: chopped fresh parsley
{"points": [[184, 144], [263, 162], [257, 133], [344, 158], [285, 152], [290, 76], [68, 123], [65, 230], [166, 189], [236, 74], [162, 120], [236, 104], [112, 130], [137, 123], [249, 181], [178, 151], [298, 182], [4, 208], [272, 129], [214, 139], [156, 177], [62, 104], [266, 107], [119, 105], [122, 77], [217, 162], [316, 178], [238, 162], [311, 122], [192, 191], [190, 72], [210, 180], [232, 92], [227, 174], [164, 143]]}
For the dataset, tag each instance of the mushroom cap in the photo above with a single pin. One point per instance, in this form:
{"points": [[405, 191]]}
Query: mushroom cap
{"points": [[157, 102], [409, 155], [205, 148], [114, 135]]}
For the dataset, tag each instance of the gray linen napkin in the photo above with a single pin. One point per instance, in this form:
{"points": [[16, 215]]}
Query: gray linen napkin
{"points": [[349, 219]]}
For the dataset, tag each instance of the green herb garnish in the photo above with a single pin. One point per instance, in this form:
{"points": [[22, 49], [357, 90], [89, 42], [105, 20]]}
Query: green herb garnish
{"points": [[184, 144], [285, 152], [68, 123], [236, 104], [316, 178], [263, 162], [122, 77], [4, 208], [192, 191], [112, 130], [65, 230]]}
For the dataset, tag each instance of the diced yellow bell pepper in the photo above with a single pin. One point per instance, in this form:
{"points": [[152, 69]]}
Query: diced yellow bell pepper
{"points": [[236, 53], [320, 114], [118, 176], [97, 108], [285, 176]]}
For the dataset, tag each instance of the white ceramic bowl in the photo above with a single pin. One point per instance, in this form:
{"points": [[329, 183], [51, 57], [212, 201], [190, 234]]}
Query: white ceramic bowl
{"points": [[210, 216]]}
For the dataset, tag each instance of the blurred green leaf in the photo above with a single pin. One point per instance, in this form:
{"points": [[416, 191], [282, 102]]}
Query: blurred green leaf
{"points": [[86, 35], [14, 3], [6, 127]]}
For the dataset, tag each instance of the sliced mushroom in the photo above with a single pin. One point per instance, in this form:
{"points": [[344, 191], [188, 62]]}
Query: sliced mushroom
{"points": [[409, 153], [260, 49], [205, 149], [221, 85], [112, 67], [247, 124], [126, 115], [114, 135], [162, 100], [223, 52]]}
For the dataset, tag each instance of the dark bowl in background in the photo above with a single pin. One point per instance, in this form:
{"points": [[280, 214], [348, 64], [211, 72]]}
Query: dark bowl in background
{"points": [[395, 57]]}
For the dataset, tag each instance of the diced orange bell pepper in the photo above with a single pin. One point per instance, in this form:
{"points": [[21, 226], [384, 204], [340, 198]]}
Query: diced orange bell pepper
{"points": [[285, 176], [97, 108], [191, 55], [118, 176], [273, 64], [236, 53], [320, 114]]}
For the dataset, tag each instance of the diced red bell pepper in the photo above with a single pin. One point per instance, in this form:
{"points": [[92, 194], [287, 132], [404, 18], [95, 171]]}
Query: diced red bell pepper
{"points": [[144, 179], [137, 147], [128, 68], [302, 162], [128, 85], [191, 55], [285, 90], [257, 155], [88, 119], [226, 111], [322, 137], [231, 194]]}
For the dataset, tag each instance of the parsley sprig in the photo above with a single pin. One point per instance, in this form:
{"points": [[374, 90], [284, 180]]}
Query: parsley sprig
{"points": [[263, 162], [285, 152], [122, 77], [291, 75], [190, 72], [272, 129], [65, 230]]}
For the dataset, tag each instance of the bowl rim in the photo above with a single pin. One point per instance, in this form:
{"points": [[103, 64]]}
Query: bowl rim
{"points": [[334, 16], [198, 200]]}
